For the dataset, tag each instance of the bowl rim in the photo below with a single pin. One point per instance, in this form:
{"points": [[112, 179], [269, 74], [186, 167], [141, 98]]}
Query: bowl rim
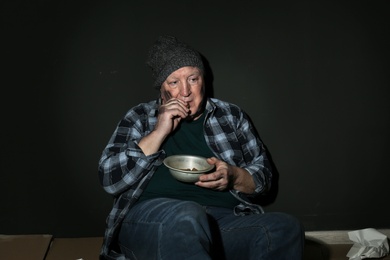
{"points": [[209, 168]]}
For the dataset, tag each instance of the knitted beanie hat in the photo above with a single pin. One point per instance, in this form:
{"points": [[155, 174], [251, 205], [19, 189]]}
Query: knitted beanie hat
{"points": [[169, 54]]}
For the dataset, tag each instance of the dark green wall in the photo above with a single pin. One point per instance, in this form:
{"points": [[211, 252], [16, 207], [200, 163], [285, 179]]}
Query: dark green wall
{"points": [[312, 75]]}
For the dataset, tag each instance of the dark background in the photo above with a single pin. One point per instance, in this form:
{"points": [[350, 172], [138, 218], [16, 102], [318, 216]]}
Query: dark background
{"points": [[312, 75]]}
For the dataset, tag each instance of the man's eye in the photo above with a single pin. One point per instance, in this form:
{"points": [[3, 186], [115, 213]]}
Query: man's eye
{"points": [[193, 80], [173, 83]]}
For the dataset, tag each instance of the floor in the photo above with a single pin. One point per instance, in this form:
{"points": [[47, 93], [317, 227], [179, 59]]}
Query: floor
{"points": [[318, 251], [314, 250], [46, 247]]}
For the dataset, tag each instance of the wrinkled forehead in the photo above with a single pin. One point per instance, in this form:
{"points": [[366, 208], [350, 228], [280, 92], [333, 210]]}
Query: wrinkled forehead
{"points": [[185, 72]]}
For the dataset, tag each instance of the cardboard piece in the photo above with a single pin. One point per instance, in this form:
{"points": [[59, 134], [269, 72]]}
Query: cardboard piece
{"points": [[87, 248], [319, 251], [45, 247], [17, 247]]}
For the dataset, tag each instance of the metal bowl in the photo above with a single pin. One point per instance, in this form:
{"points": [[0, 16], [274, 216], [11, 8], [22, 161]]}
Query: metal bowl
{"points": [[187, 168]]}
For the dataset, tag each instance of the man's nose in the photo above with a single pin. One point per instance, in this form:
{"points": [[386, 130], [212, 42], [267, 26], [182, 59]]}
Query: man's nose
{"points": [[185, 90]]}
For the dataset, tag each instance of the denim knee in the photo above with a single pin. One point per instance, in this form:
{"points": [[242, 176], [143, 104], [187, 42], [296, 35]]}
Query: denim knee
{"points": [[293, 232]]}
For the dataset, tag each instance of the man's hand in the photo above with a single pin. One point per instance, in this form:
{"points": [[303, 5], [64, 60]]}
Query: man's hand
{"points": [[226, 177], [171, 112], [218, 180]]}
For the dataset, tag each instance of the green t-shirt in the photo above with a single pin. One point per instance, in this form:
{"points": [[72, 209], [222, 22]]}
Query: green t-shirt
{"points": [[188, 138]]}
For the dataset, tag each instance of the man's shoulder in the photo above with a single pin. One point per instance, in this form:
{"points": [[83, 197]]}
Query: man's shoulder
{"points": [[145, 106], [225, 106], [143, 109]]}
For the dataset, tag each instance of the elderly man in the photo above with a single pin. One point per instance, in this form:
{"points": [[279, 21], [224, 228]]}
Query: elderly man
{"points": [[158, 217]]}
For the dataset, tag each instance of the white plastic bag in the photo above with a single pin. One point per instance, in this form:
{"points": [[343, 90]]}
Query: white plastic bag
{"points": [[368, 243]]}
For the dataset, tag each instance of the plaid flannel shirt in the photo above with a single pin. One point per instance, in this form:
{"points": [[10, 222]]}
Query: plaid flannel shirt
{"points": [[124, 170]]}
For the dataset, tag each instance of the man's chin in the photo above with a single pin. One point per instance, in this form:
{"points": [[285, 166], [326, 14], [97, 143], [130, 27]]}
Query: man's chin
{"points": [[193, 117], [189, 118]]}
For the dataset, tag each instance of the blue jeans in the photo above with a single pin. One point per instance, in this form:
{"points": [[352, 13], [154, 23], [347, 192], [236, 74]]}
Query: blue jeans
{"points": [[183, 230]]}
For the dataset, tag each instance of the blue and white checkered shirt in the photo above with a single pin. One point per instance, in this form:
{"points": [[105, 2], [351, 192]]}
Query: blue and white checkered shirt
{"points": [[124, 170]]}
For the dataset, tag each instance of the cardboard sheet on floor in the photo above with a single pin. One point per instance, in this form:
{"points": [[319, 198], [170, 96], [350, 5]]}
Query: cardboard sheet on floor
{"points": [[315, 250], [32, 247], [86, 248]]}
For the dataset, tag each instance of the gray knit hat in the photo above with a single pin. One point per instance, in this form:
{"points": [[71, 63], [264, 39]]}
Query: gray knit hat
{"points": [[169, 54]]}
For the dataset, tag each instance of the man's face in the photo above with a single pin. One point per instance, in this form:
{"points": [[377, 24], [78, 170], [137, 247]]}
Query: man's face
{"points": [[185, 84]]}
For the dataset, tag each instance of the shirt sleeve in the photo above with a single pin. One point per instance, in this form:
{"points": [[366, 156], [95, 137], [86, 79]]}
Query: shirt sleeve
{"points": [[122, 163], [254, 154], [233, 138]]}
